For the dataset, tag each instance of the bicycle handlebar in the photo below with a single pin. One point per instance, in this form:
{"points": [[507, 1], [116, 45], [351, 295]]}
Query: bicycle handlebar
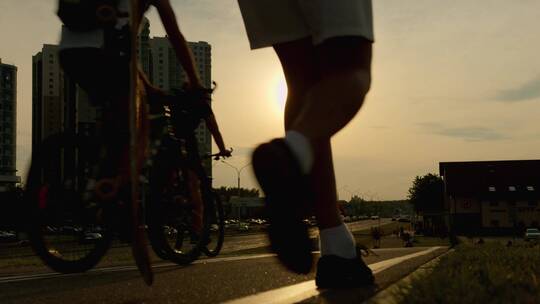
{"points": [[216, 156]]}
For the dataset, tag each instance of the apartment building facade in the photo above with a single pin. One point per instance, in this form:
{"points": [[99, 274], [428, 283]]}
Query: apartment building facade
{"points": [[8, 126], [492, 196]]}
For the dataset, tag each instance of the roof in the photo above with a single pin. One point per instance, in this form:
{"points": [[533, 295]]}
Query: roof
{"points": [[501, 179]]}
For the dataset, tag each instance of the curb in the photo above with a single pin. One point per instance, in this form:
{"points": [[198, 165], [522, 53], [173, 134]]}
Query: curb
{"points": [[387, 295]]}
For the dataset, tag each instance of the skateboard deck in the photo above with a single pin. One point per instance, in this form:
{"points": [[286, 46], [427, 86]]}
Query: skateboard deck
{"points": [[137, 142]]}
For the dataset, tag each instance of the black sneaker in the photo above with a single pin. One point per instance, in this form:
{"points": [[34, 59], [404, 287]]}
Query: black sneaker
{"points": [[338, 272], [286, 191]]}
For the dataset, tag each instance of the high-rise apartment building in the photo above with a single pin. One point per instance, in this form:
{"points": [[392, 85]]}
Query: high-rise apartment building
{"points": [[8, 125], [166, 73], [58, 105]]}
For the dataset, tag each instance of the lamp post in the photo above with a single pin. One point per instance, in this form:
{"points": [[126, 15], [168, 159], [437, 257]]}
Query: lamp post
{"points": [[238, 172]]}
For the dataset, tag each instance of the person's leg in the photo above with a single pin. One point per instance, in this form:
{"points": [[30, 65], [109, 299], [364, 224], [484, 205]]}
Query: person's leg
{"points": [[302, 71], [326, 85], [344, 65], [325, 104], [298, 59]]}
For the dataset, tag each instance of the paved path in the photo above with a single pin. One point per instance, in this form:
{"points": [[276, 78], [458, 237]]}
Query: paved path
{"points": [[250, 241], [218, 280]]}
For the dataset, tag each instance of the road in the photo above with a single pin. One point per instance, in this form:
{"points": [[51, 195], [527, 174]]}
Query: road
{"points": [[253, 278], [16, 259], [250, 241]]}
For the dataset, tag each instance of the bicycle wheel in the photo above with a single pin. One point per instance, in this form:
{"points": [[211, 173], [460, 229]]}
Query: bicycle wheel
{"points": [[170, 217], [66, 227], [214, 223]]}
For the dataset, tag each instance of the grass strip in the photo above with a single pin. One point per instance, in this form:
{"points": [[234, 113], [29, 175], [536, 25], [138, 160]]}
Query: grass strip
{"points": [[488, 273]]}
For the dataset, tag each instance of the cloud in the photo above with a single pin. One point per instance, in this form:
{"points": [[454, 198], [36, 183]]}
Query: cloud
{"points": [[468, 133], [529, 90]]}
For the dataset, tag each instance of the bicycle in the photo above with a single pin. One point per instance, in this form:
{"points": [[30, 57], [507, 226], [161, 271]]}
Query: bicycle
{"points": [[171, 201], [71, 229]]}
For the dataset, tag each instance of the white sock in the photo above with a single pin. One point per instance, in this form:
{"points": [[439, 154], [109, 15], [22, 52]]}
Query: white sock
{"points": [[337, 241], [301, 148]]}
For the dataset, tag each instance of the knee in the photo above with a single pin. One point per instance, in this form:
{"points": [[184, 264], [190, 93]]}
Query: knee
{"points": [[356, 86]]}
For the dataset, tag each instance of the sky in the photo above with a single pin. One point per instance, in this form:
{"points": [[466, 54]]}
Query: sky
{"points": [[452, 81]]}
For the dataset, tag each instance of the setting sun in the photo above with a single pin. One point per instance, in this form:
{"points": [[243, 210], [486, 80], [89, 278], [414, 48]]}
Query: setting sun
{"points": [[279, 92]]}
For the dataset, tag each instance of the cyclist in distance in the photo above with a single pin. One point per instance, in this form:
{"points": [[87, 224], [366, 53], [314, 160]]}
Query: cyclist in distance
{"points": [[325, 51], [188, 114]]}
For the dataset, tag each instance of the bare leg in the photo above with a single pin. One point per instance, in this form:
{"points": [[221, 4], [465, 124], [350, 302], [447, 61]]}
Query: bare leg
{"points": [[324, 88], [344, 67]]}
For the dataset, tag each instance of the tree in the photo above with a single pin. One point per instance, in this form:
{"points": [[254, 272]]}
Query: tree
{"points": [[426, 194], [227, 192]]}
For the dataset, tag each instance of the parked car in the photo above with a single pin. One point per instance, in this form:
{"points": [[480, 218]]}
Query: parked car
{"points": [[532, 234], [374, 217], [6, 236], [404, 218], [242, 227]]}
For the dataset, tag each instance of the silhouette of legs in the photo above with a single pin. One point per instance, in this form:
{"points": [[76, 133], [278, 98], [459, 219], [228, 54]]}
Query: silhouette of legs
{"points": [[326, 88]]}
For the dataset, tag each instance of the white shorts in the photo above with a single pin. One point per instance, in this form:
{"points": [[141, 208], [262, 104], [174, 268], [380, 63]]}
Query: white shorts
{"points": [[270, 22]]}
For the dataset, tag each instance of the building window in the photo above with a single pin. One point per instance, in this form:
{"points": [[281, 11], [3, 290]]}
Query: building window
{"points": [[511, 188], [492, 189], [494, 203], [495, 223], [533, 203]]}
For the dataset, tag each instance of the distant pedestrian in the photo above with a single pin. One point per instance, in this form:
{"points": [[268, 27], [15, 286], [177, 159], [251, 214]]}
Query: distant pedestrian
{"points": [[376, 235], [325, 51]]}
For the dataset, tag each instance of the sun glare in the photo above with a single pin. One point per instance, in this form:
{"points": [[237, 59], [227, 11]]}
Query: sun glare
{"points": [[279, 92]]}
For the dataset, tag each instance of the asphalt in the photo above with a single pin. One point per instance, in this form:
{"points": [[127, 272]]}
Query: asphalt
{"points": [[207, 281]]}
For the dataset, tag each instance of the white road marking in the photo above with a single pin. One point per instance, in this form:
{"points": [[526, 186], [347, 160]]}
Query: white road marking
{"points": [[305, 290], [103, 270]]}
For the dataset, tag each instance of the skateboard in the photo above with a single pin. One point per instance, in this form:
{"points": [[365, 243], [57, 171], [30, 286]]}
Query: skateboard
{"points": [[137, 150]]}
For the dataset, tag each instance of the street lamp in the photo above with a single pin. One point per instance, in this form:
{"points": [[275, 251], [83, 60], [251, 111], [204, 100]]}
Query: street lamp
{"points": [[238, 172]]}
